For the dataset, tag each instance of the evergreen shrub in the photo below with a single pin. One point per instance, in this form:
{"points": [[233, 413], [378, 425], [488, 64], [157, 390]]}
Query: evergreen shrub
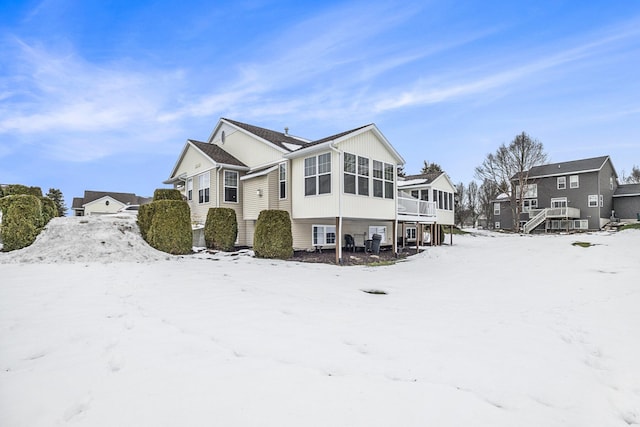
{"points": [[221, 229], [170, 229], [49, 210], [21, 221], [16, 189], [145, 215], [166, 194], [272, 238]]}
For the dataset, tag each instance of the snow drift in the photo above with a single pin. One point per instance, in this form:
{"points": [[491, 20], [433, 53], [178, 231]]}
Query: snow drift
{"points": [[497, 330]]}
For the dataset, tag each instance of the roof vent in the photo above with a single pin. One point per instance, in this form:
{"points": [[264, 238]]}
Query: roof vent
{"points": [[286, 131]]}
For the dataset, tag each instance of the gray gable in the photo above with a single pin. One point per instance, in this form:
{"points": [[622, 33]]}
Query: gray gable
{"points": [[274, 137], [564, 168], [217, 154]]}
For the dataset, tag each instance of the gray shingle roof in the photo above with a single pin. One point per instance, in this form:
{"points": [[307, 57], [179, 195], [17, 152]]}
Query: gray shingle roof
{"points": [[217, 154], [627, 190], [428, 177], [274, 137], [126, 198], [564, 168], [333, 137]]}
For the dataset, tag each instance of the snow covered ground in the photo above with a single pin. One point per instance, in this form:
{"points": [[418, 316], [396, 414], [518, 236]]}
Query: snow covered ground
{"points": [[98, 329]]}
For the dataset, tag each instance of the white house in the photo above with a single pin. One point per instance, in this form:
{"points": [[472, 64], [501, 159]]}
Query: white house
{"points": [[342, 184]]}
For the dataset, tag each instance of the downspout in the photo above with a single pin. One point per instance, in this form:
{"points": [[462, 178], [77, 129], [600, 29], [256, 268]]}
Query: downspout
{"points": [[218, 168], [340, 174], [395, 214]]}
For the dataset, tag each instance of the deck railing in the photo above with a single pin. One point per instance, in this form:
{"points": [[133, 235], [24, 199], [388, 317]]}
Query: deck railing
{"points": [[416, 207]]}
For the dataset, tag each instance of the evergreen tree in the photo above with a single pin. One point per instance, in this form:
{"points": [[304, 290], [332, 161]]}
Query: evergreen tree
{"points": [[430, 168], [56, 195]]}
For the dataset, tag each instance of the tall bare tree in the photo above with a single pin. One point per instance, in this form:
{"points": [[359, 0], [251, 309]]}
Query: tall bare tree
{"points": [[461, 209], [508, 168], [487, 193], [634, 178], [472, 201]]}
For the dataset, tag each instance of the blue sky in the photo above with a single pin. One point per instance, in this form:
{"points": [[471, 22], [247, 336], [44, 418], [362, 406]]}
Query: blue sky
{"points": [[102, 95]]}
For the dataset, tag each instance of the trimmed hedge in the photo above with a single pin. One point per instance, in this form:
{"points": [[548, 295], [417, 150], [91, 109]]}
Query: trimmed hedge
{"points": [[16, 189], [145, 215], [170, 229], [166, 194], [272, 238], [49, 210], [221, 229], [22, 220]]}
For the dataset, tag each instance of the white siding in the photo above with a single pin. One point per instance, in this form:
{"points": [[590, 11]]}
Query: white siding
{"points": [[193, 163], [356, 206], [252, 203], [318, 206], [199, 211], [245, 148], [104, 205]]}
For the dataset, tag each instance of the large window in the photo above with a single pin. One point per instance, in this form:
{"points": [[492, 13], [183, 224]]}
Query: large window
{"points": [[231, 186], [574, 181], [204, 183], [593, 201], [411, 234], [378, 229], [383, 180], [363, 176], [389, 175], [378, 175], [323, 235], [349, 173], [190, 189], [562, 182], [529, 204], [317, 175], [530, 191], [282, 178]]}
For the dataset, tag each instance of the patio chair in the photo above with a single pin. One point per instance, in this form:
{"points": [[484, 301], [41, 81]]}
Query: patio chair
{"points": [[349, 243]]}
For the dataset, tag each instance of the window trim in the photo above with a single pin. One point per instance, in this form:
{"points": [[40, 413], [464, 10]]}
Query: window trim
{"points": [[496, 212], [574, 179], [189, 189], [592, 201], [561, 183], [204, 188], [325, 230], [225, 186], [533, 204], [411, 233], [316, 175], [282, 183], [375, 229]]}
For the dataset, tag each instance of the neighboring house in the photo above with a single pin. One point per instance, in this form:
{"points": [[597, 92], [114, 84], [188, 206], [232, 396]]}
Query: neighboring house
{"points": [[104, 202], [425, 203], [573, 195], [626, 202], [338, 185]]}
